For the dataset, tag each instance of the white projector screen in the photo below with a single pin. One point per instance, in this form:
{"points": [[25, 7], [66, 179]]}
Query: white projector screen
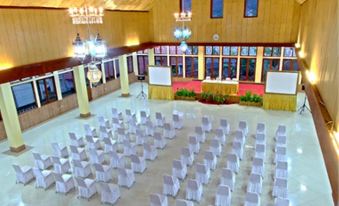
{"points": [[281, 82], [159, 75]]}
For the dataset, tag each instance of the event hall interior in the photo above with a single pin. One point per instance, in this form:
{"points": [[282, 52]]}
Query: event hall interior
{"points": [[169, 102]]}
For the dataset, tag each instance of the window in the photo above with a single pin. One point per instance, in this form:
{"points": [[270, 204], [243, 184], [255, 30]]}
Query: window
{"points": [[230, 51], [67, 83], [217, 8], [248, 51], [143, 51], [290, 65], [269, 65], [247, 69], [117, 68], [46, 90], [160, 60], [185, 5], [175, 50], [289, 52], [272, 51], [229, 68], [142, 65], [24, 97], [212, 67], [160, 50], [130, 64], [234, 51], [176, 65], [251, 8], [109, 70], [212, 50], [101, 81], [192, 50], [191, 64]]}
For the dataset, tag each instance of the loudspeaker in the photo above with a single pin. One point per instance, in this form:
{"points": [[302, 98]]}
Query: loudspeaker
{"points": [[141, 77]]}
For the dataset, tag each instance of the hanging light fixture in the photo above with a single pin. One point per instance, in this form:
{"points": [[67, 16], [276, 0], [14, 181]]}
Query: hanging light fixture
{"points": [[79, 47], [182, 33], [93, 74], [183, 46], [99, 47]]}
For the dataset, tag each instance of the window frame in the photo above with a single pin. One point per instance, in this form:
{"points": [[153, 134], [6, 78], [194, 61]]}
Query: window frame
{"points": [[229, 67], [73, 91], [245, 6], [177, 65], [47, 100], [109, 77], [211, 10], [143, 57], [25, 108], [192, 59], [263, 77], [247, 69], [212, 68], [130, 66], [163, 60]]}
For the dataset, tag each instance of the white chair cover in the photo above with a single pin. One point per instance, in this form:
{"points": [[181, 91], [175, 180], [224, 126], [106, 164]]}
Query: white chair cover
{"points": [[42, 161], [258, 167], [261, 128], [144, 117], [96, 156], [109, 193], [223, 196], [202, 173], [129, 148], [150, 128], [243, 127], [78, 153], [63, 183], [171, 185], [116, 124], [215, 147], [182, 202], [194, 190], [280, 188], [122, 135], [206, 124], [260, 151], [237, 148], [129, 114], [159, 119], [23, 174], [90, 131], [102, 172], [179, 169], [281, 130], [117, 160], [239, 137], [132, 126], [280, 154], [219, 134], [227, 178], [281, 141], [210, 160], [93, 143], [200, 134], [281, 202], [125, 177], [178, 122], [138, 164], [255, 184], [109, 146], [140, 136], [103, 122], [232, 162], [158, 200], [187, 156], [260, 139], [116, 114], [169, 131], [59, 151], [43, 178], [159, 141], [150, 152], [194, 144], [252, 199], [105, 133], [61, 165], [81, 168], [225, 126], [75, 141], [86, 188], [281, 170]]}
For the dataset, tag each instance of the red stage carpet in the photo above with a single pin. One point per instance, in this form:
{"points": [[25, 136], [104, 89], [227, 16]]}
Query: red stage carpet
{"points": [[243, 87]]}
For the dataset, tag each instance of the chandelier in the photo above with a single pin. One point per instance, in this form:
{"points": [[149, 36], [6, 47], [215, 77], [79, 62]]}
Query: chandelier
{"points": [[86, 15], [182, 33], [183, 16]]}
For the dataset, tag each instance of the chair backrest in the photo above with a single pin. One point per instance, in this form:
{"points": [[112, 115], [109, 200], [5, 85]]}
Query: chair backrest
{"points": [[105, 187], [177, 164], [209, 155], [252, 197], [17, 168], [98, 167], [175, 117], [73, 149], [236, 145], [168, 180], [121, 131], [181, 202], [198, 130], [167, 126], [280, 183], [281, 129], [55, 146], [215, 143], [193, 140], [258, 162], [56, 160], [155, 199], [239, 134], [260, 148], [158, 115], [281, 139], [201, 168], [223, 190], [149, 123], [205, 120], [72, 136], [77, 163], [36, 156], [135, 159], [193, 184], [147, 147], [107, 141], [227, 173], [282, 202], [114, 155], [58, 177], [89, 139], [219, 132], [115, 120], [143, 114], [114, 111], [260, 136], [80, 182], [122, 171], [260, 126], [157, 136], [223, 123], [255, 178], [232, 158], [282, 165], [281, 150], [128, 112], [242, 124], [101, 119], [37, 172], [186, 151]]}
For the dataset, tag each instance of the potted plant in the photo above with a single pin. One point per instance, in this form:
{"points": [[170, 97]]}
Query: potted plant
{"points": [[185, 94], [251, 100]]}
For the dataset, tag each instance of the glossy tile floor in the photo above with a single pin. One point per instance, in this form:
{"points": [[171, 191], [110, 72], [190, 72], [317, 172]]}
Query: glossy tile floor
{"points": [[308, 183]]}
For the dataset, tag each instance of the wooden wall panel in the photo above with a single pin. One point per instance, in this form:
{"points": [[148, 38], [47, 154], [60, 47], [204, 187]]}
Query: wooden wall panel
{"points": [[277, 22], [36, 35]]}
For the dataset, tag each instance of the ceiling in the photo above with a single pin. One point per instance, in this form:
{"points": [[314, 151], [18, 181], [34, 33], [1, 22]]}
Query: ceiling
{"points": [[138, 5]]}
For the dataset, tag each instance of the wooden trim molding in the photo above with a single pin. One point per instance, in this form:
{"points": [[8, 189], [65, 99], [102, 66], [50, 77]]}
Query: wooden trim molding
{"points": [[281, 44], [64, 8]]}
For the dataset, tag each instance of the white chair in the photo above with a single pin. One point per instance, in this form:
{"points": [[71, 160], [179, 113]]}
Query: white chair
{"points": [[210, 160], [144, 117], [219, 134], [116, 114], [194, 144], [243, 127], [103, 173], [225, 126], [223, 196], [238, 149], [150, 152], [86, 187], [260, 151], [78, 153], [159, 119], [187, 156], [170, 185], [63, 183], [76, 141], [194, 190], [260, 139], [59, 151], [103, 122], [129, 114], [227, 178], [178, 122], [93, 143], [42, 161], [109, 146], [239, 137], [158, 200], [90, 131], [215, 147], [280, 154], [182, 202], [116, 124], [81, 168], [133, 126], [232, 162], [43, 178], [129, 148], [23, 174], [169, 131], [105, 133], [159, 141], [258, 167], [206, 124], [150, 128], [61, 165], [281, 202], [252, 199], [122, 135], [125, 177], [96, 156], [179, 169], [281, 141], [109, 193], [140, 136], [117, 160], [138, 164], [255, 184], [281, 170], [281, 130], [280, 188], [261, 128], [202, 173], [200, 134]]}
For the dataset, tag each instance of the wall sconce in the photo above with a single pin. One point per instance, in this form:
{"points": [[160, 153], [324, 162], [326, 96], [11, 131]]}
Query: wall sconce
{"points": [[297, 45], [311, 76], [301, 54]]}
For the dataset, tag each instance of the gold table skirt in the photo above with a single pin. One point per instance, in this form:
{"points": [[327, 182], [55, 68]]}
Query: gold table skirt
{"points": [[160, 92], [223, 89], [280, 102]]}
